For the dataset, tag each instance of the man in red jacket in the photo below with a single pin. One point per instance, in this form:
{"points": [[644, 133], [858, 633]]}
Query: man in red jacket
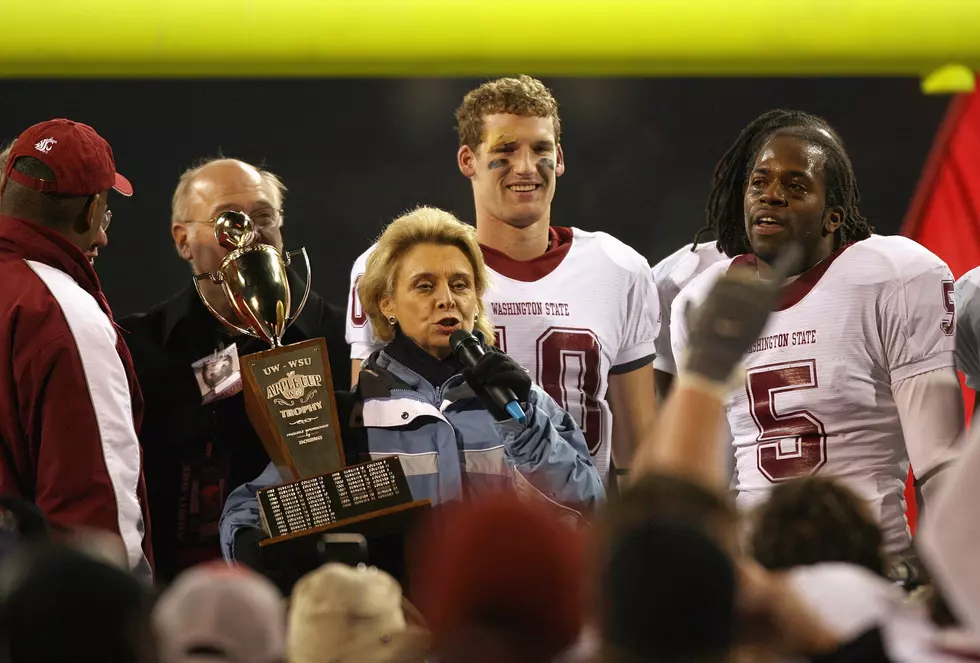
{"points": [[70, 406]]}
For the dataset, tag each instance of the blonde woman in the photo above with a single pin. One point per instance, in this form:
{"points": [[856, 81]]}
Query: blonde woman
{"points": [[424, 281]]}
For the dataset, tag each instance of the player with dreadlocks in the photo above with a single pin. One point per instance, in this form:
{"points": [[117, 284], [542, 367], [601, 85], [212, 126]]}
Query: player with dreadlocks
{"points": [[725, 219], [853, 375], [724, 211]]}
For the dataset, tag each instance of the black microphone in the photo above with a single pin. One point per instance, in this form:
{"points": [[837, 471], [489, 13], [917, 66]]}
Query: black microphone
{"points": [[467, 349]]}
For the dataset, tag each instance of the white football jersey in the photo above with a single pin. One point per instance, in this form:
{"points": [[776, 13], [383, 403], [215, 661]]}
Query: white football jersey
{"points": [[670, 275], [571, 317], [817, 394], [967, 296], [849, 601]]}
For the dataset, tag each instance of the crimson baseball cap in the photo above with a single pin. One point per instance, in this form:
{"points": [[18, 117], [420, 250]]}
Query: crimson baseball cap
{"points": [[80, 158]]}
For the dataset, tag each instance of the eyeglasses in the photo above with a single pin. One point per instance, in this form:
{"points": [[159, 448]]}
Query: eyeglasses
{"points": [[264, 219], [106, 220]]}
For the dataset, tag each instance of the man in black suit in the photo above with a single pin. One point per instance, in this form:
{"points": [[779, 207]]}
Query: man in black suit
{"points": [[198, 448]]}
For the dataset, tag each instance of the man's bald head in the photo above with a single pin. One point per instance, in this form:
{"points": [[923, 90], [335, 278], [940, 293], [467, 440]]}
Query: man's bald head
{"points": [[199, 182], [213, 187]]}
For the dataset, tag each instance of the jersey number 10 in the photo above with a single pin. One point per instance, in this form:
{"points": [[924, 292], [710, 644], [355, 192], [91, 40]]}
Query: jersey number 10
{"points": [[567, 361]]}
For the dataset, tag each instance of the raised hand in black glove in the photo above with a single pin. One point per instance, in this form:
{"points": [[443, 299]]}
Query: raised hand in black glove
{"points": [[729, 320], [495, 369]]}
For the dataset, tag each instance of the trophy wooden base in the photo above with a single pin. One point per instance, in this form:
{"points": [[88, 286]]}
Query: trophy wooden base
{"points": [[379, 523], [358, 490], [288, 558], [372, 499]]}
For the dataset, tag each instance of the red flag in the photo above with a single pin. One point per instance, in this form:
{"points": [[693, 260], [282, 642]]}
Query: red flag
{"points": [[945, 213]]}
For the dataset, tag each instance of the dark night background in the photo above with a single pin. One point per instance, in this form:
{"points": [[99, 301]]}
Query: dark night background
{"points": [[356, 153]]}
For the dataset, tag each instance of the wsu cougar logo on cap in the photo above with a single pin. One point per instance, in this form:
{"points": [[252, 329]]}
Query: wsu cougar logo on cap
{"points": [[45, 145], [80, 159]]}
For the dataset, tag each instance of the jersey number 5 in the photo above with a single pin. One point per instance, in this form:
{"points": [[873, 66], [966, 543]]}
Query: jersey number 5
{"points": [[806, 451], [568, 371], [948, 325]]}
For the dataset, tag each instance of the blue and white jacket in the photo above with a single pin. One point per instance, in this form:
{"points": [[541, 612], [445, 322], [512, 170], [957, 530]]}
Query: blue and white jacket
{"points": [[450, 447]]}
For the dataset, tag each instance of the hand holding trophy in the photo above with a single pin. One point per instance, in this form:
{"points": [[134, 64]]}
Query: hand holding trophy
{"points": [[289, 397]]}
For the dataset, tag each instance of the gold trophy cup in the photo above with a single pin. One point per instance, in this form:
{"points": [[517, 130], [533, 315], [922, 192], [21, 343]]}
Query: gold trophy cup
{"points": [[253, 279]]}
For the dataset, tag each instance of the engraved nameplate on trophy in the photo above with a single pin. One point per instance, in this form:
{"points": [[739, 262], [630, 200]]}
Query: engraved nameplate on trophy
{"points": [[290, 402], [354, 491]]}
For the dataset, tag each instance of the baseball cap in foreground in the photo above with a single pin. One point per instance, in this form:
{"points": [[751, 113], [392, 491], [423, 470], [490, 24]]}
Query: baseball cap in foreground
{"points": [[343, 614], [485, 596], [80, 158], [221, 614]]}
